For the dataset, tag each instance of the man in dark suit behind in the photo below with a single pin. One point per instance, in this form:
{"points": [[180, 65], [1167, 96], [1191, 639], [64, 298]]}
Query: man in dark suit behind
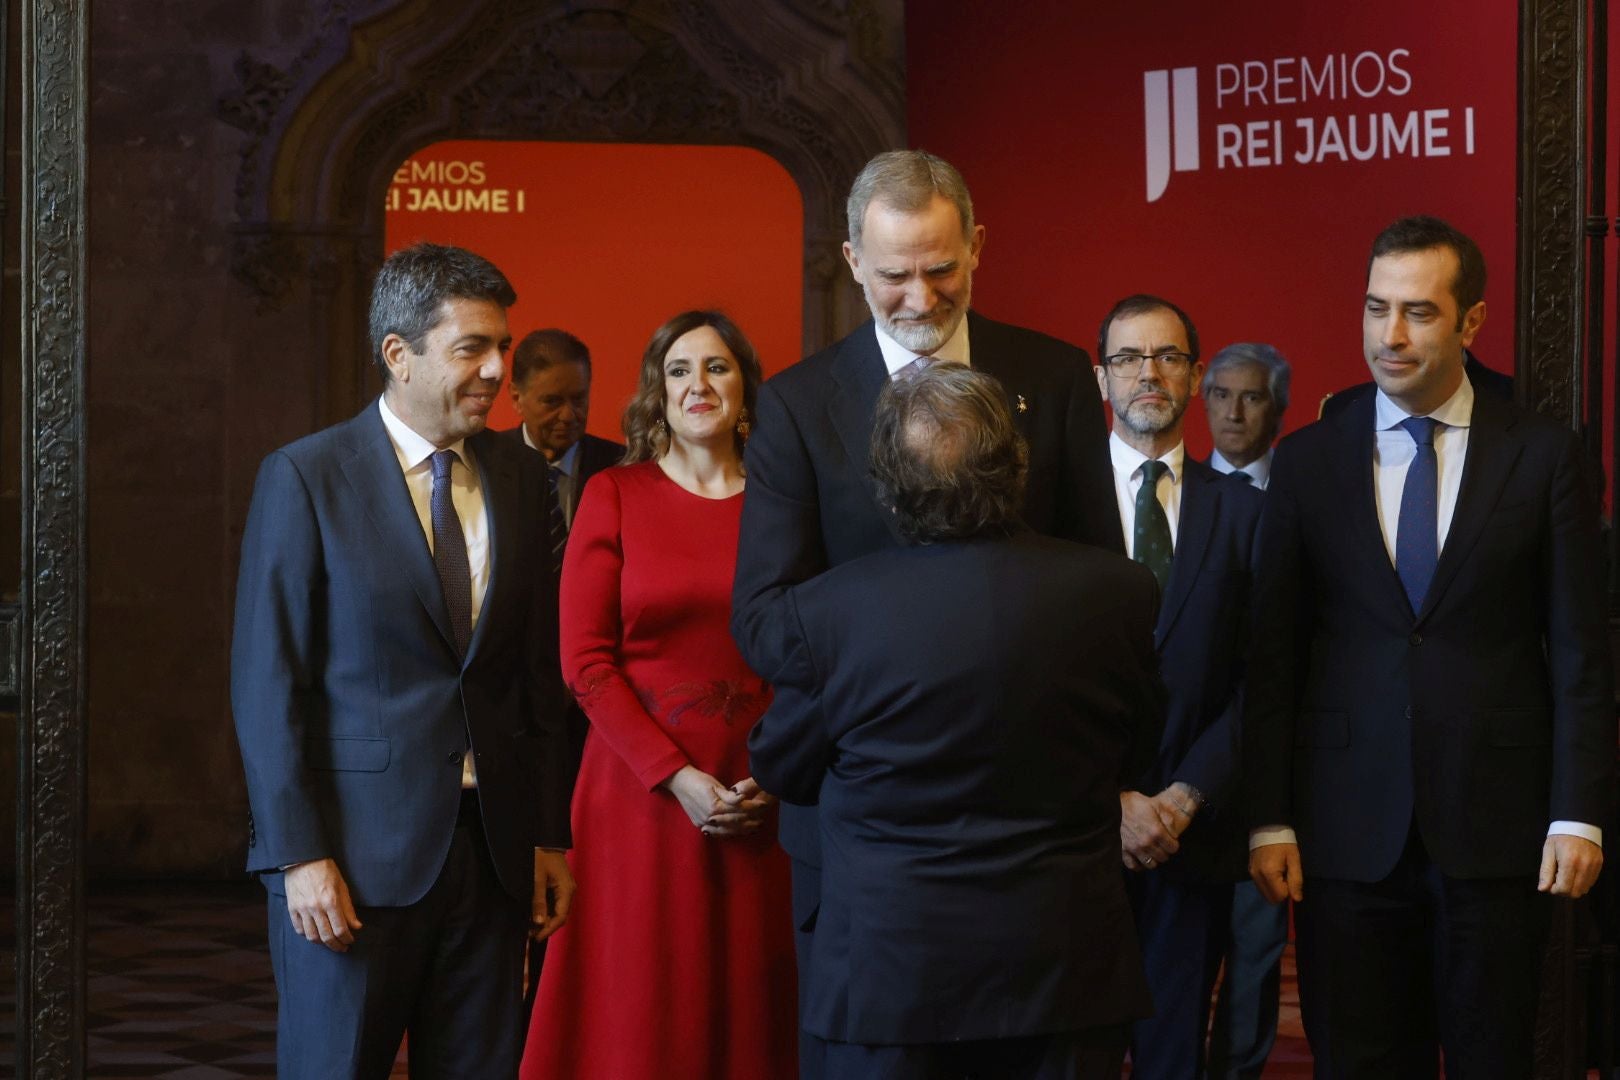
{"points": [[1182, 832], [978, 695], [1430, 722], [913, 246], [551, 390], [394, 689]]}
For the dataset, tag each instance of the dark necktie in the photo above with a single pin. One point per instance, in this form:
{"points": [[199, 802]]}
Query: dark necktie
{"points": [[1417, 545], [1241, 477], [1151, 545], [556, 520], [450, 552]]}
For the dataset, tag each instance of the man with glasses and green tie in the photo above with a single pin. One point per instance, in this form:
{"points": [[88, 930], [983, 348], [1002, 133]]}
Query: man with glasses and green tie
{"points": [[1181, 833]]}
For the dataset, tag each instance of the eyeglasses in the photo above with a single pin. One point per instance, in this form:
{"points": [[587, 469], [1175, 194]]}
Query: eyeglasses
{"points": [[1127, 364]]}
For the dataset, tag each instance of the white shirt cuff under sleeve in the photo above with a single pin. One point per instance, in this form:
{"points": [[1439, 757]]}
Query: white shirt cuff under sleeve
{"points": [[1271, 834], [1581, 829]]}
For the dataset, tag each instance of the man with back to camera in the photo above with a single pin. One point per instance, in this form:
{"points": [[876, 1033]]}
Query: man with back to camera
{"points": [[913, 247], [393, 680], [1245, 392], [1430, 725], [979, 695], [1182, 831]]}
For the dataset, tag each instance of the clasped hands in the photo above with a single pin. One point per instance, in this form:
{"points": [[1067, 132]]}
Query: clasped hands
{"points": [[718, 810], [1150, 827]]}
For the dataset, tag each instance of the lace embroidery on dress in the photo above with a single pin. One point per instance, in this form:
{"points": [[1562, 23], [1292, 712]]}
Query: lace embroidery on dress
{"points": [[720, 698]]}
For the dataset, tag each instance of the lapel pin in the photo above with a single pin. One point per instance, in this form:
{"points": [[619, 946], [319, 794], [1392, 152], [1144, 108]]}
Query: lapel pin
{"points": [[1023, 406]]}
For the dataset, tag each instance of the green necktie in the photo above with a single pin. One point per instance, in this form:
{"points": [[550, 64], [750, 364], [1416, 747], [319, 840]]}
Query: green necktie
{"points": [[1151, 546]]}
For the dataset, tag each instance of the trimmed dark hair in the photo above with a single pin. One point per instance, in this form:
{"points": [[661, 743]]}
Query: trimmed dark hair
{"points": [[907, 180], [644, 439], [1261, 355], [545, 348], [413, 285], [946, 456], [1421, 233], [1141, 304]]}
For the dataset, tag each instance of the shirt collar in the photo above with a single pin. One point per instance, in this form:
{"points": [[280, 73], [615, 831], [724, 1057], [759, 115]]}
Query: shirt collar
{"points": [[1259, 469], [897, 356], [566, 463], [1456, 411], [410, 447], [1127, 459]]}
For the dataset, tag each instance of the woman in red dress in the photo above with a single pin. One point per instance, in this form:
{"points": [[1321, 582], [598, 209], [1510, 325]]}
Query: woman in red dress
{"points": [[677, 961]]}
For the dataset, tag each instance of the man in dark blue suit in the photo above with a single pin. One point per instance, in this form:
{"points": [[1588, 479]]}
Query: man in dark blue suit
{"points": [[913, 246], [1429, 729], [979, 696], [1246, 393], [1181, 827], [393, 680]]}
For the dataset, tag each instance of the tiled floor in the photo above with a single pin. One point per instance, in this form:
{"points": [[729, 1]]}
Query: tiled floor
{"points": [[180, 987]]}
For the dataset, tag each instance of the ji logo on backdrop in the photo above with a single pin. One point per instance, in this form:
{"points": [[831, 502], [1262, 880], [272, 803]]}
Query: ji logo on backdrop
{"points": [[1170, 108]]}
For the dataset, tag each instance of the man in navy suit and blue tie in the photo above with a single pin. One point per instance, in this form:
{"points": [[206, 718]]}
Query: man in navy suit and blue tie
{"points": [[1181, 825], [1429, 733], [393, 680]]}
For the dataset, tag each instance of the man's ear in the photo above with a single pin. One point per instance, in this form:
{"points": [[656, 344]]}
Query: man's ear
{"points": [[397, 354]]}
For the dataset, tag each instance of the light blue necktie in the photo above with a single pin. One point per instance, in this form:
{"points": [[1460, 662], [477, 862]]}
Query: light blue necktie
{"points": [[1417, 544]]}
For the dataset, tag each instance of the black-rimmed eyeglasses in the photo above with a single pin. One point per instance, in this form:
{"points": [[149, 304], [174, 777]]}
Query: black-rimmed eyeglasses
{"points": [[1127, 364]]}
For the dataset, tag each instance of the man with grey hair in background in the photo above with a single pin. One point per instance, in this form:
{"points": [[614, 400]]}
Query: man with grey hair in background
{"points": [[1245, 393], [913, 248], [980, 694]]}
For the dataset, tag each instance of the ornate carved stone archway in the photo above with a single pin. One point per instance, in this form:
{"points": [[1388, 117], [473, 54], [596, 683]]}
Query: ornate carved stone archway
{"points": [[819, 86]]}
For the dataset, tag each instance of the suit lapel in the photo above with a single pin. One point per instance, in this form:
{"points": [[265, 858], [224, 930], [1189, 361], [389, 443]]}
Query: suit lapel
{"points": [[1200, 505], [859, 376], [499, 483], [1492, 452], [1354, 465], [379, 486], [991, 355]]}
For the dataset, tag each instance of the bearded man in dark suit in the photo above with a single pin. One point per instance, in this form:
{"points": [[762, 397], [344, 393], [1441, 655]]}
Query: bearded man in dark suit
{"points": [[913, 247]]}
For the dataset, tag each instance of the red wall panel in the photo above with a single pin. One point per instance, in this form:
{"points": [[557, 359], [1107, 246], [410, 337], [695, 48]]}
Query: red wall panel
{"points": [[609, 240], [1045, 108]]}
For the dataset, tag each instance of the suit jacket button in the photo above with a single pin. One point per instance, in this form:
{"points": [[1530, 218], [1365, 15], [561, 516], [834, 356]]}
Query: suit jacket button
{"points": [[454, 757], [1416, 639], [1409, 712]]}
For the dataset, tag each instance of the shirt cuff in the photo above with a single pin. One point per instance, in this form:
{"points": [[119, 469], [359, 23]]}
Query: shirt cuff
{"points": [[1581, 829], [1267, 835]]}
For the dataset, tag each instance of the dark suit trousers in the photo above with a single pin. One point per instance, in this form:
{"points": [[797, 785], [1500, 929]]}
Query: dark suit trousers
{"points": [[1091, 1054], [1245, 1025], [806, 900], [447, 969], [1183, 928], [1393, 972]]}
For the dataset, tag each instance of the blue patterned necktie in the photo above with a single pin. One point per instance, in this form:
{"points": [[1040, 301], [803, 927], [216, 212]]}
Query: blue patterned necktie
{"points": [[1151, 545], [1417, 544], [556, 520], [450, 552]]}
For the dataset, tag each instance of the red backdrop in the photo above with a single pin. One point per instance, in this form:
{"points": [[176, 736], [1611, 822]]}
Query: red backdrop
{"points": [[608, 241], [1045, 106]]}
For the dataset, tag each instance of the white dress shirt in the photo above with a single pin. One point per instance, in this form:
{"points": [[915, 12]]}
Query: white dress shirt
{"points": [[415, 455], [1128, 463], [567, 470], [954, 351], [1393, 450], [1258, 470]]}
